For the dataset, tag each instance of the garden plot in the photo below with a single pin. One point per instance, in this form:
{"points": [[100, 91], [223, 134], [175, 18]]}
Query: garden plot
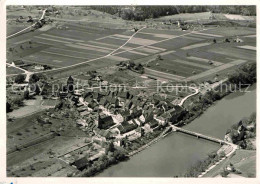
{"points": [[217, 69], [175, 43], [210, 56], [73, 34], [162, 75], [41, 37], [131, 55], [176, 67], [232, 31], [195, 46], [208, 34], [235, 53], [81, 46], [214, 63], [113, 41], [152, 36], [141, 41], [149, 50], [98, 48], [248, 47], [117, 58], [62, 38], [51, 59], [99, 43], [200, 37], [194, 37], [167, 32], [156, 48], [75, 52]]}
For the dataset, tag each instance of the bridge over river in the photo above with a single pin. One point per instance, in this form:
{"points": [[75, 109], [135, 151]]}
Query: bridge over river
{"points": [[199, 135]]}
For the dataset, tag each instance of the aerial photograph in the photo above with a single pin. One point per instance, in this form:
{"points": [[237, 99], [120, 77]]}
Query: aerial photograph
{"points": [[131, 91]]}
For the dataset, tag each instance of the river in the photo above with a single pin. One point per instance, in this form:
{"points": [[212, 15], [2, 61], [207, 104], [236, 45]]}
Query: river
{"points": [[177, 152]]}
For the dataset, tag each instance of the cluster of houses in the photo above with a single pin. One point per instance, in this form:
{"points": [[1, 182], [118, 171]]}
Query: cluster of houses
{"points": [[119, 114]]}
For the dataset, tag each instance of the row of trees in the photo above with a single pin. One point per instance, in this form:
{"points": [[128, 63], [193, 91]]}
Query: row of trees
{"points": [[140, 13], [245, 74], [201, 166], [105, 161]]}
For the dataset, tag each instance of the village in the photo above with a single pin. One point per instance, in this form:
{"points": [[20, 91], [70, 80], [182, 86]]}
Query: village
{"points": [[102, 115], [88, 87]]}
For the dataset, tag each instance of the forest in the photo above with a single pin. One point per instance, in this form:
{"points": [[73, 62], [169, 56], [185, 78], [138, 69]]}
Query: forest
{"points": [[140, 13]]}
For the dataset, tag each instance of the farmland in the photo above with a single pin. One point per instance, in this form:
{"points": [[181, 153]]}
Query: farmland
{"points": [[183, 54]]}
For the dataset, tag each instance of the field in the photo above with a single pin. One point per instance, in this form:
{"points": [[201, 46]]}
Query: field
{"points": [[185, 55]]}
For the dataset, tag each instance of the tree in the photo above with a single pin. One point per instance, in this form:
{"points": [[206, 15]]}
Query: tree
{"points": [[159, 57], [19, 79], [224, 173], [18, 101], [34, 78], [26, 94], [8, 107]]}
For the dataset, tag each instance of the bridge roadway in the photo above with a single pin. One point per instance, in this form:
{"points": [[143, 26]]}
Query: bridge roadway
{"points": [[199, 135]]}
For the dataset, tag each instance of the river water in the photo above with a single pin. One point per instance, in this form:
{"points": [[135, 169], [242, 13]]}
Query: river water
{"points": [[177, 152]]}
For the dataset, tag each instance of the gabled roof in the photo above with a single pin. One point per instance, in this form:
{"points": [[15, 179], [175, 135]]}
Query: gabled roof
{"points": [[153, 123], [126, 127]]}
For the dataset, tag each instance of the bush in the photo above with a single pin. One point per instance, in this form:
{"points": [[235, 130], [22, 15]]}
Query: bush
{"points": [[8, 107], [224, 173], [19, 133], [19, 79], [18, 101]]}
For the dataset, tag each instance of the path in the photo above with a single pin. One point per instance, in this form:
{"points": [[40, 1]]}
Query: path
{"points": [[185, 98]]}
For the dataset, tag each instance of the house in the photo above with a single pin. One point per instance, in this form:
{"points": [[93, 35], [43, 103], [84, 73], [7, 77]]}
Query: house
{"points": [[148, 114], [126, 115], [136, 113], [103, 101], [84, 113], [39, 67], [161, 120], [81, 163], [115, 102], [124, 95], [126, 128], [82, 122], [117, 142], [153, 124], [96, 156], [82, 108], [103, 133], [105, 122], [118, 118]]}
